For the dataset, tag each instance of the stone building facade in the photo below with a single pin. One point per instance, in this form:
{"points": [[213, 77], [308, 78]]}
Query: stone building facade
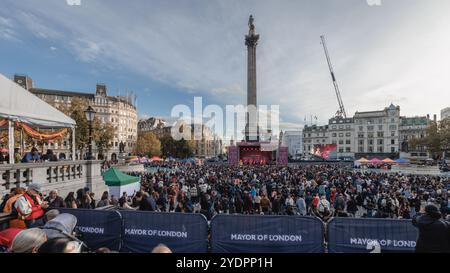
{"points": [[119, 111], [377, 132], [341, 132], [445, 113], [314, 135]]}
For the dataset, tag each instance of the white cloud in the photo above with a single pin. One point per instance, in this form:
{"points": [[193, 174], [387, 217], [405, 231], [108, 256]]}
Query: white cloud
{"points": [[7, 29], [396, 52], [87, 51], [52, 48]]}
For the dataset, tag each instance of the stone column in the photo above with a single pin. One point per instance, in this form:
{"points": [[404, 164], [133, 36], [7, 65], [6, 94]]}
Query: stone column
{"points": [[251, 41]]}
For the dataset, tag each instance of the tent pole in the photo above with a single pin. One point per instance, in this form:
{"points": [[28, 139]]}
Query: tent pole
{"points": [[22, 144], [11, 141], [73, 144]]}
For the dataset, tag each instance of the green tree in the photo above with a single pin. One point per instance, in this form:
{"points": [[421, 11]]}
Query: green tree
{"points": [[103, 136], [148, 144], [76, 111], [178, 149], [437, 140], [103, 132], [444, 132]]}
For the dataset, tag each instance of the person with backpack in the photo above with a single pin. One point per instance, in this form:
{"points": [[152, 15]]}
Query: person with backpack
{"points": [[30, 206]]}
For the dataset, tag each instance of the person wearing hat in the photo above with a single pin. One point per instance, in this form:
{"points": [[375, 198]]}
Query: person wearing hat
{"points": [[30, 206], [434, 233]]}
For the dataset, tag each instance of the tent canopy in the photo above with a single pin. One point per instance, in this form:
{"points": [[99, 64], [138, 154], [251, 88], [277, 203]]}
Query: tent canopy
{"points": [[388, 160], [156, 158], [376, 161], [17, 103], [114, 177], [402, 161], [362, 160]]}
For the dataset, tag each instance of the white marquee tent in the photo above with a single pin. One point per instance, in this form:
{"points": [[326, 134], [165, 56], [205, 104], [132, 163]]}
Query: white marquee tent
{"points": [[18, 104]]}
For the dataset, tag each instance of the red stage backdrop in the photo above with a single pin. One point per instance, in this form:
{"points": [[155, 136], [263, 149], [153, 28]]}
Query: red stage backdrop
{"points": [[328, 151]]}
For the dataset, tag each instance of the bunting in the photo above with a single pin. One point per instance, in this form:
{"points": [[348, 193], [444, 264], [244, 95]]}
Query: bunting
{"points": [[41, 136], [3, 122]]}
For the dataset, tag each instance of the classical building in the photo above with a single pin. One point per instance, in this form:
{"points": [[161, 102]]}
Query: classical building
{"points": [[341, 132], [294, 141], [314, 135], [154, 125], [413, 128], [370, 134], [445, 113], [117, 110], [210, 145], [377, 132]]}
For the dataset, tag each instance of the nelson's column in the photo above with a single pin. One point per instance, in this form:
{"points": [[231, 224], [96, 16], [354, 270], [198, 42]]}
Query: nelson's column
{"points": [[251, 41]]}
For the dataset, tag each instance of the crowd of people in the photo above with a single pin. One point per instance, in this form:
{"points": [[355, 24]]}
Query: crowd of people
{"points": [[320, 190], [33, 156], [317, 190]]}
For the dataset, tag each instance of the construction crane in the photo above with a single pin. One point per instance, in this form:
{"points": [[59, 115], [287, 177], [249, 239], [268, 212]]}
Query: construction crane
{"points": [[341, 112]]}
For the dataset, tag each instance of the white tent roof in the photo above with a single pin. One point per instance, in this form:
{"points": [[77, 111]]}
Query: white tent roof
{"points": [[17, 103]]}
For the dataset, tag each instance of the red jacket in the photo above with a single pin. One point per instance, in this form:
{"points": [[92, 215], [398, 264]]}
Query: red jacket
{"points": [[7, 236], [36, 210]]}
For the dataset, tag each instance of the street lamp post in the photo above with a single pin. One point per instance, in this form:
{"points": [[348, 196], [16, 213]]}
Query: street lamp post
{"points": [[90, 113]]}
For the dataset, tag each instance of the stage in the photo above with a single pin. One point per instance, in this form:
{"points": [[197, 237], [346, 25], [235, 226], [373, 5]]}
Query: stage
{"points": [[257, 153]]}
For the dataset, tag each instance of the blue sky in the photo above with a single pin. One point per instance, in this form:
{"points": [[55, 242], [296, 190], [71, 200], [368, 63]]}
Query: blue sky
{"points": [[169, 51]]}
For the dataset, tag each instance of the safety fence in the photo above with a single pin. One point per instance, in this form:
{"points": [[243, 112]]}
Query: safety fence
{"points": [[138, 231]]}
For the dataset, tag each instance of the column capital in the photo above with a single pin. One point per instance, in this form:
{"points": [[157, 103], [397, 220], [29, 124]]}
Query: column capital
{"points": [[251, 40]]}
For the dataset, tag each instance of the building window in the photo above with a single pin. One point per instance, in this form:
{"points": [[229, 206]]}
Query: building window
{"points": [[334, 134], [370, 135], [348, 141], [370, 141], [392, 149], [347, 150], [361, 142], [380, 134], [380, 142], [341, 150], [380, 127], [380, 149], [393, 127], [369, 128], [361, 149], [348, 134], [361, 128], [393, 141], [341, 142], [393, 133], [370, 149]]}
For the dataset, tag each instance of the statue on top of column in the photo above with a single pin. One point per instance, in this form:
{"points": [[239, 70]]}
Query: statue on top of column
{"points": [[251, 25]]}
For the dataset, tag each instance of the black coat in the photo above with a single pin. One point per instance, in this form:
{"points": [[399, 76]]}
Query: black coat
{"points": [[434, 235], [57, 203]]}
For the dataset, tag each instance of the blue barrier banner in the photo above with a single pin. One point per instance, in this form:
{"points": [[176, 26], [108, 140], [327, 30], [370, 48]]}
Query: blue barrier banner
{"points": [[351, 235], [266, 234], [100, 228], [182, 233]]}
